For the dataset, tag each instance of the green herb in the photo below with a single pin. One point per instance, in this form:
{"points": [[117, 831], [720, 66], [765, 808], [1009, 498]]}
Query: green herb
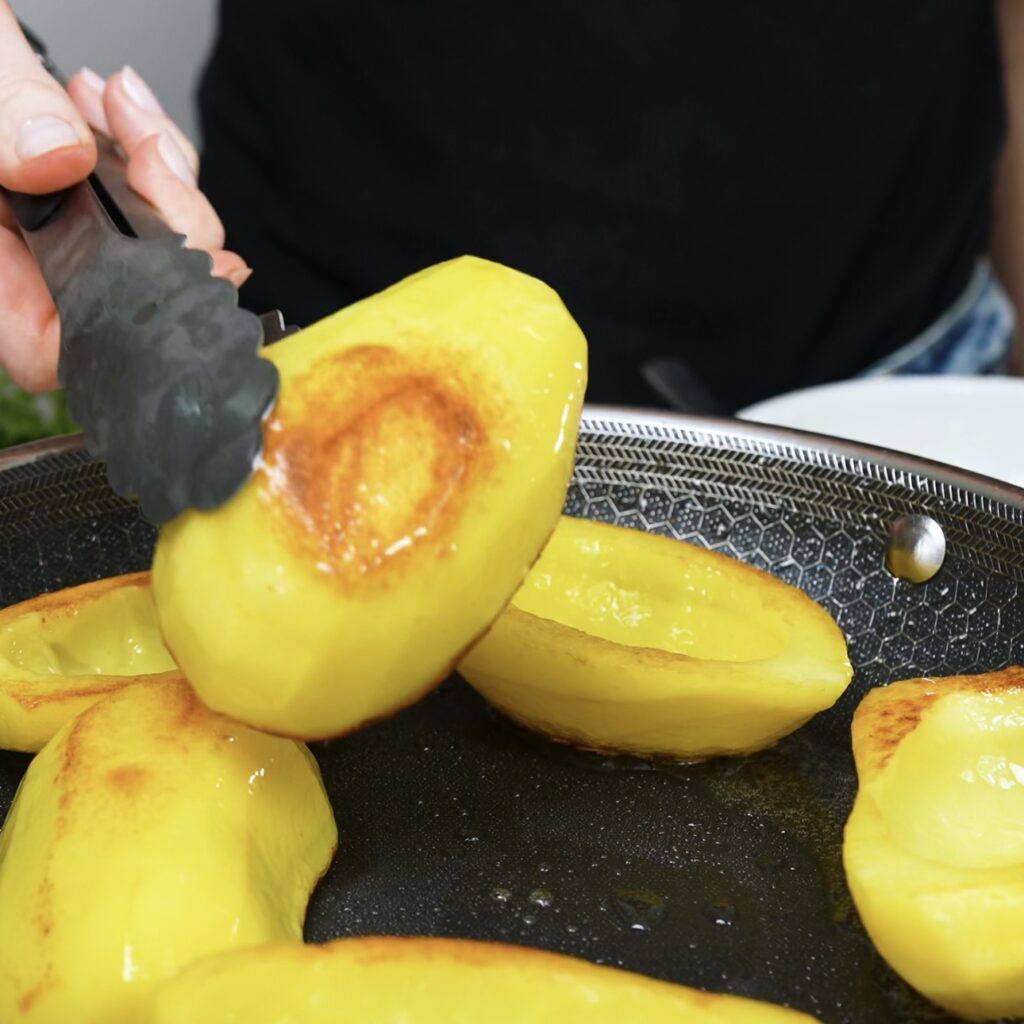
{"points": [[25, 417]]}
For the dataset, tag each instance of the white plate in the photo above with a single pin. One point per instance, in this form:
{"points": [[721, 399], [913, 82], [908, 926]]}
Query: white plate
{"points": [[971, 422]]}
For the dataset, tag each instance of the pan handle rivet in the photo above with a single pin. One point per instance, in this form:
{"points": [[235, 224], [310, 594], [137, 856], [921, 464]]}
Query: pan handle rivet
{"points": [[916, 548]]}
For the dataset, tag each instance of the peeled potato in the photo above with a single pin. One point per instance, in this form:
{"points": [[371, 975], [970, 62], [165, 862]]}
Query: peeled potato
{"points": [[63, 651], [413, 467], [434, 981], [625, 641], [934, 846], [149, 832]]}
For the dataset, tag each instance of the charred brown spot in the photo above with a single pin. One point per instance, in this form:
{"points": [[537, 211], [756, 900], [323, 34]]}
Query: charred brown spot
{"points": [[69, 600], [188, 709], [44, 911], [28, 999], [73, 742], [370, 456], [171, 684], [31, 995], [71, 758], [888, 714], [128, 779], [1009, 680], [30, 701], [895, 720]]}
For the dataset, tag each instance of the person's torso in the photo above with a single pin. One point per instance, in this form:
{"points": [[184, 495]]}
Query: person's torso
{"points": [[777, 193]]}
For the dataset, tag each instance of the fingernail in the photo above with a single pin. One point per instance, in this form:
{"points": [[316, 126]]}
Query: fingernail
{"points": [[138, 92], [92, 80], [39, 135], [240, 276], [176, 161]]}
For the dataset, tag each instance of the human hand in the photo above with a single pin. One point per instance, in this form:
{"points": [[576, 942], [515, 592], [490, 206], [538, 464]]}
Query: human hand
{"points": [[46, 144]]}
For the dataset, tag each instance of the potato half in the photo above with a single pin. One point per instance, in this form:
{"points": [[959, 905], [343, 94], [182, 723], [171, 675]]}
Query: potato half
{"points": [[63, 651], [629, 642], [149, 832], [934, 847], [435, 981], [413, 467]]}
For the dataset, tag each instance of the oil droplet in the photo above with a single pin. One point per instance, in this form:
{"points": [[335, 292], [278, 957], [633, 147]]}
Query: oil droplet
{"points": [[640, 909], [572, 929], [528, 919], [720, 912], [541, 898], [501, 894], [543, 868]]}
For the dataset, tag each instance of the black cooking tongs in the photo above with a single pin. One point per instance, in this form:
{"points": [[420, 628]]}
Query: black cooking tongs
{"points": [[161, 367]]}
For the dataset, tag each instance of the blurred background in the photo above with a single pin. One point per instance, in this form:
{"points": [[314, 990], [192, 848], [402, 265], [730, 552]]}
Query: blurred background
{"points": [[166, 41]]}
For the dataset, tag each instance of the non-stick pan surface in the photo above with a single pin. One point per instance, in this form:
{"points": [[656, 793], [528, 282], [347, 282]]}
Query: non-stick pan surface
{"points": [[724, 875]]}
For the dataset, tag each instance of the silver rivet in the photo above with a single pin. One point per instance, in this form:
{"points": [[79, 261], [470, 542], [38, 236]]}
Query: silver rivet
{"points": [[916, 548]]}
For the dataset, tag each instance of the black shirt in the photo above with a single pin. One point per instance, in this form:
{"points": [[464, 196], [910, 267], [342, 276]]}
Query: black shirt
{"points": [[778, 193]]}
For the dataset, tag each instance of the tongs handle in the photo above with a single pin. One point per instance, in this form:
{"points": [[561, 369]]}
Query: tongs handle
{"points": [[160, 366], [33, 212]]}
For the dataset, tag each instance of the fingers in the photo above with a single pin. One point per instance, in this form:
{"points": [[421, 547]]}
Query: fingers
{"points": [[86, 89], [158, 171], [45, 143], [155, 171], [161, 167], [162, 162], [30, 335], [231, 266], [134, 114]]}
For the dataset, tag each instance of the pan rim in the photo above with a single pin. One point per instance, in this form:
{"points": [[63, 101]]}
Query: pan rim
{"points": [[793, 441], [798, 444]]}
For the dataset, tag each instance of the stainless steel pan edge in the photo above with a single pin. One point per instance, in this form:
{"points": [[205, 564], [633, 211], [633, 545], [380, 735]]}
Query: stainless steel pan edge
{"points": [[933, 478]]}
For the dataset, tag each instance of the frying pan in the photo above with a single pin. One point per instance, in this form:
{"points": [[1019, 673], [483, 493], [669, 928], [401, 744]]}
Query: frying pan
{"points": [[724, 875]]}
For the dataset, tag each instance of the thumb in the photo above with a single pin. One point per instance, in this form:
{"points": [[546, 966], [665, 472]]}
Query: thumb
{"points": [[45, 143]]}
